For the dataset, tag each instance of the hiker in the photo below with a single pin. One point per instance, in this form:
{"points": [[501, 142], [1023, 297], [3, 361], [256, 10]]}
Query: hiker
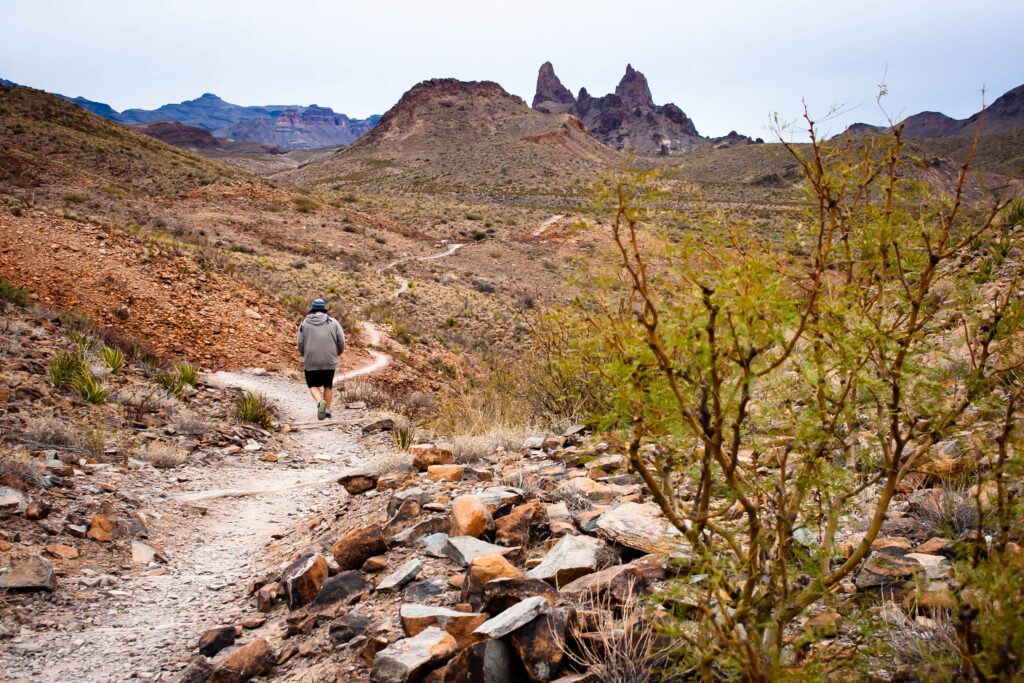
{"points": [[321, 341]]}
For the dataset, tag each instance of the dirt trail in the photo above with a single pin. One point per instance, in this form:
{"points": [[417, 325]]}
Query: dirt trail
{"points": [[140, 625], [543, 227]]}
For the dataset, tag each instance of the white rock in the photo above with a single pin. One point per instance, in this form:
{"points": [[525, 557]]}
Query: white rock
{"points": [[401, 576], [514, 617]]}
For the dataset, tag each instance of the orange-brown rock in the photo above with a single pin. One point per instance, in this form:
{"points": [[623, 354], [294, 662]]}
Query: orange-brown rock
{"points": [[416, 618], [425, 455], [241, 664], [354, 548], [101, 528], [302, 580], [445, 472], [470, 517], [484, 569], [521, 524]]}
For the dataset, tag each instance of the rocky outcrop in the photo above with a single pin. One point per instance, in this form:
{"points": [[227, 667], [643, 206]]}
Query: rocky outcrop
{"points": [[180, 135], [627, 118]]}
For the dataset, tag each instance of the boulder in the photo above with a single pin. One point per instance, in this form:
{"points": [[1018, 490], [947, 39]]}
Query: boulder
{"points": [[936, 546], [438, 524], [344, 588], [465, 549], [488, 661], [197, 671], [358, 482], [415, 618], [470, 517], [435, 544], [882, 569], [423, 590], [243, 663], [641, 527], [427, 454], [396, 580], [487, 568], [101, 528], [445, 472], [540, 643], [266, 596], [302, 580], [409, 658], [498, 498], [37, 510], [399, 498], [355, 547], [522, 524], [215, 640], [513, 618], [935, 566], [619, 583], [63, 552], [501, 594], [569, 559], [347, 627], [30, 574]]}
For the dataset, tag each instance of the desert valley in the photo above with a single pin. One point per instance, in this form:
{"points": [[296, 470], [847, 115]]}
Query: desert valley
{"points": [[620, 401]]}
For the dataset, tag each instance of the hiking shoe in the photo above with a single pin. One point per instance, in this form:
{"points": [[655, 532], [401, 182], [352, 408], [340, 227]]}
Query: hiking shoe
{"points": [[321, 410], [327, 415]]}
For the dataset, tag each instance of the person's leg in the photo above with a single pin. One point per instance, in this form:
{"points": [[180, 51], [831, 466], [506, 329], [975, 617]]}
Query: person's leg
{"points": [[328, 395], [317, 393]]}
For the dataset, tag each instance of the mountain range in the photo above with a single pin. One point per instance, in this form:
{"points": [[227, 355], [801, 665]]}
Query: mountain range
{"points": [[286, 126]]}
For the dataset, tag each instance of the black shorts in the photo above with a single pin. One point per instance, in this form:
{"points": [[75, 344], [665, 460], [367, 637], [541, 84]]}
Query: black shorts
{"points": [[319, 378]]}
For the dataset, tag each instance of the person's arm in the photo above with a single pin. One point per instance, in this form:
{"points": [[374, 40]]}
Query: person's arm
{"points": [[301, 342], [339, 337]]}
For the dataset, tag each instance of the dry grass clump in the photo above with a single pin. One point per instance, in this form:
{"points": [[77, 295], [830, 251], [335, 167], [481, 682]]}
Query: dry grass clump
{"points": [[469, 448], [186, 421], [50, 431], [164, 456], [21, 467]]}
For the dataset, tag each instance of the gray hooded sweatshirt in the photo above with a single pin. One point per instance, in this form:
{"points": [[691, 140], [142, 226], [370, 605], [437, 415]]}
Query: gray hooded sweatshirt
{"points": [[321, 341]]}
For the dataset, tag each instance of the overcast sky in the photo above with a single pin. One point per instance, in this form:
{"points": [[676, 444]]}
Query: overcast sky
{"points": [[727, 63]]}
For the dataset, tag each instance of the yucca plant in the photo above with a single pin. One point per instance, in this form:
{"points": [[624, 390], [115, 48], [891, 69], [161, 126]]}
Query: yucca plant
{"points": [[113, 358], [256, 409], [188, 373], [65, 367], [85, 342], [402, 437], [90, 388], [170, 382], [1013, 213]]}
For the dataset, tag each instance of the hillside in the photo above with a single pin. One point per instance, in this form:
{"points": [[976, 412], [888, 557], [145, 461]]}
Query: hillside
{"points": [[449, 136]]}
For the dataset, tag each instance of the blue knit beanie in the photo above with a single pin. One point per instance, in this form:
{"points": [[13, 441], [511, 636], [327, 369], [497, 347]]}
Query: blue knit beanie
{"points": [[318, 306]]}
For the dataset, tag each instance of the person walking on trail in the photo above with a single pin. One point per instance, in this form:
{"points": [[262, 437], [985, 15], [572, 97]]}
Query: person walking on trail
{"points": [[321, 340]]}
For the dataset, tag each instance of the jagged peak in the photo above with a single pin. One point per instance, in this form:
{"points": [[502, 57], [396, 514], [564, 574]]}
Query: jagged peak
{"points": [[550, 91], [633, 88]]}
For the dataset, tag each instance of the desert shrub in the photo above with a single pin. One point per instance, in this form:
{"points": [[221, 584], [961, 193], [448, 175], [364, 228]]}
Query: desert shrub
{"points": [[90, 388], [256, 409], [1013, 212], [186, 421], [65, 367], [304, 204], [990, 617], [14, 294], [188, 373], [77, 320], [403, 436], [51, 431], [788, 378], [171, 382], [164, 456], [113, 358]]}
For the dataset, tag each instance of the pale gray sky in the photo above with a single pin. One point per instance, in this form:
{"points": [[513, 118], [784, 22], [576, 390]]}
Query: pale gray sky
{"points": [[728, 64]]}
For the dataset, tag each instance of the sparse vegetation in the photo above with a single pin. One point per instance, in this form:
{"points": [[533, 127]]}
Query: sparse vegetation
{"points": [[113, 358], [90, 388], [65, 367], [13, 294], [254, 408]]}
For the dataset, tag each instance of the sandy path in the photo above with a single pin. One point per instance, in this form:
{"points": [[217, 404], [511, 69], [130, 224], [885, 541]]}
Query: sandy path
{"points": [[142, 627]]}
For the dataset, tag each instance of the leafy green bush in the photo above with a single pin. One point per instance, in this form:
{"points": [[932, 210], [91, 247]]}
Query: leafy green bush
{"points": [[113, 358], [65, 367], [256, 409], [14, 294], [171, 382]]}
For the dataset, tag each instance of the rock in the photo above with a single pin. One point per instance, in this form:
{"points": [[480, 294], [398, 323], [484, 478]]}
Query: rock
{"points": [[10, 499], [488, 661], [344, 588], [445, 472], [197, 671], [101, 528], [936, 546], [641, 527], [620, 583], [487, 568], [347, 627], [502, 594], [215, 640], [358, 482], [387, 425], [423, 590], [146, 554], [400, 498], [935, 566], [253, 621], [498, 498], [425, 455], [64, 552], [533, 443], [522, 524], [30, 574], [302, 580], [355, 547], [569, 559], [540, 643], [243, 663], [415, 618], [465, 549], [37, 510], [266, 596], [436, 525], [881, 569], [401, 576], [435, 545], [470, 517], [375, 563], [394, 480], [409, 658], [513, 618]]}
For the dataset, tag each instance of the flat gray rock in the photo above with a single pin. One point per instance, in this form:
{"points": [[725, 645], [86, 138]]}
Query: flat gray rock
{"points": [[464, 549], [513, 618], [409, 658], [434, 545], [641, 527], [401, 576], [570, 558]]}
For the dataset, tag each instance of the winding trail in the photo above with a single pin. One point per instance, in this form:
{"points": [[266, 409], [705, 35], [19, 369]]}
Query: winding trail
{"points": [[214, 535]]}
